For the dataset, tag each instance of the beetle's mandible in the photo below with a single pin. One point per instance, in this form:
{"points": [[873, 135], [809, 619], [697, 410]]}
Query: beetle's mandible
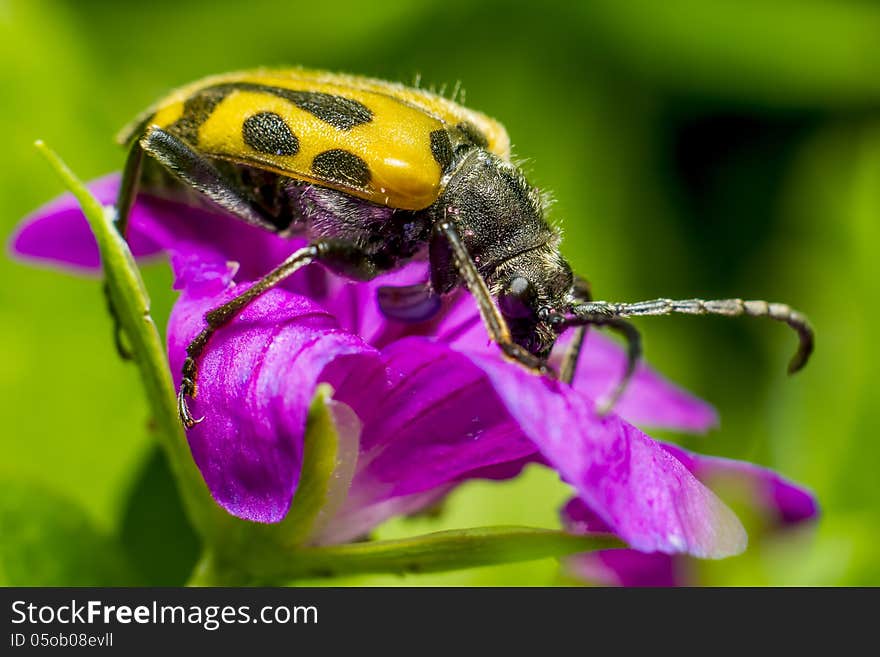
{"points": [[375, 174]]}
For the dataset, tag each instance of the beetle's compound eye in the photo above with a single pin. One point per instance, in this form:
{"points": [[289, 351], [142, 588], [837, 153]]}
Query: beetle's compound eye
{"points": [[516, 299]]}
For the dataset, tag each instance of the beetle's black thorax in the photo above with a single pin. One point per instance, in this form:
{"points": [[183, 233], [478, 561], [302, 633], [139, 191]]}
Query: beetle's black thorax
{"points": [[497, 213], [495, 210]]}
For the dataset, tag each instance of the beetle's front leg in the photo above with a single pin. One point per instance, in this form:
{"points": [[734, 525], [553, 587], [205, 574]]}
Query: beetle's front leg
{"points": [[495, 323]]}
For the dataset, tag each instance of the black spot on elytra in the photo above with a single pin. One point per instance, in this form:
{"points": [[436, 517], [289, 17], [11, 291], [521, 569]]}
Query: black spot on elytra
{"points": [[267, 132], [339, 111], [441, 148], [196, 110], [341, 166]]}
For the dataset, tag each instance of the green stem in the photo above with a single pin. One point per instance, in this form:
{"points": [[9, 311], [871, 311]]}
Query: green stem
{"points": [[204, 572], [132, 307], [212, 571], [441, 551]]}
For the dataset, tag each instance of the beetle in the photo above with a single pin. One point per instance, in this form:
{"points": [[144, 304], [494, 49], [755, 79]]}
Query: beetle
{"points": [[375, 174]]}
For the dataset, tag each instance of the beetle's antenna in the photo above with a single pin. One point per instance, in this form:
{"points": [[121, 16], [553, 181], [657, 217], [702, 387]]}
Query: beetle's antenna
{"points": [[588, 313]]}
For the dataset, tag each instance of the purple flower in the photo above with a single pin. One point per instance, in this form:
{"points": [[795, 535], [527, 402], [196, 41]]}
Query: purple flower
{"points": [[433, 404], [777, 504]]}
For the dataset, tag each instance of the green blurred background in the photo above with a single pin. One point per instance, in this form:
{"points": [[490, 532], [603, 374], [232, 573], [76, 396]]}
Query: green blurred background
{"points": [[695, 148]]}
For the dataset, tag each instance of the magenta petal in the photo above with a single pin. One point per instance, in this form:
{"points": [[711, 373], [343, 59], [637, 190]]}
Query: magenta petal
{"points": [[59, 233], [357, 308], [577, 517], [644, 494], [255, 383], [616, 567], [356, 520], [627, 568], [438, 423], [650, 400], [777, 499], [780, 501]]}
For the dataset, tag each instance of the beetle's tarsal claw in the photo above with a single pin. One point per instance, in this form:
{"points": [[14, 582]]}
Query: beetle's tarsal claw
{"points": [[534, 364], [186, 417], [606, 406], [603, 407], [187, 389]]}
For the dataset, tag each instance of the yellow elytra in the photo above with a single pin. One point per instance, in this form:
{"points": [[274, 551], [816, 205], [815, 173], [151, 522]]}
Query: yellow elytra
{"points": [[376, 140]]}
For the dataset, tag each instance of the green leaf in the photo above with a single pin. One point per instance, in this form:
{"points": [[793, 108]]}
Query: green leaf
{"points": [[132, 307], [449, 550], [155, 533], [49, 541]]}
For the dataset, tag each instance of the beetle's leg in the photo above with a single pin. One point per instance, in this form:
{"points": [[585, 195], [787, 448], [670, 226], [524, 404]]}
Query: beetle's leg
{"points": [[223, 314], [191, 168], [495, 323], [572, 354], [128, 186], [340, 256], [198, 172], [633, 354], [409, 303], [728, 307], [131, 174], [581, 291]]}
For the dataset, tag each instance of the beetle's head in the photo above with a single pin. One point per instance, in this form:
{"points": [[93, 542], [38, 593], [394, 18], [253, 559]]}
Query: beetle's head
{"points": [[533, 291], [501, 218]]}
